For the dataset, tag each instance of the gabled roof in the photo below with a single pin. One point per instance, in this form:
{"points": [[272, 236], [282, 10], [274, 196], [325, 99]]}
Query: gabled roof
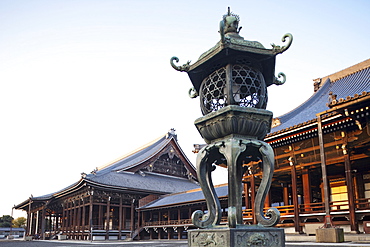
{"points": [[137, 157], [185, 197], [124, 174], [345, 84]]}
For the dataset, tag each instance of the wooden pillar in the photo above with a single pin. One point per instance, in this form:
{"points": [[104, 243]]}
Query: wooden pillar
{"points": [[306, 188], [120, 219], [31, 225], [49, 226], [63, 217], [91, 206], [100, 216], [74, 219], [178, 215], [43, 220], [70, 218], [124, 217], [246, 196], [179, 231], [83, 223], [29, 218], [132, 220], [295, 195], [37, 222], [78, 220], [168, 216], [57, 223], [253, 196], [350, 190], [140, 216], [286, 194], [325, 182], [107, 219]]}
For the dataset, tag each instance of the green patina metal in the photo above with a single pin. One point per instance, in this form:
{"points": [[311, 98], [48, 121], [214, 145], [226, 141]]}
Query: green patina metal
{"points": [[231, 80]]}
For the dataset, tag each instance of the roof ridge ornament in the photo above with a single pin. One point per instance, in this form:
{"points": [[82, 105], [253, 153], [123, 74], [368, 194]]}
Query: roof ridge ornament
{"points": [[184, 68], [229, 24], [280, 82], [280, 49]]}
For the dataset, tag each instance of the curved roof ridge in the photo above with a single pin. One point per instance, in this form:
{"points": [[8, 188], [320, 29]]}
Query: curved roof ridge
{"points": [[350, 86], [347, 71], [156, 147], [351, 73], [131, 153], [312, 99]]}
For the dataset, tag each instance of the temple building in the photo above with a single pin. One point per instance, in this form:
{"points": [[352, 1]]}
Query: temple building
{"points": [[322, 157], [332, 130], [102, 205]]}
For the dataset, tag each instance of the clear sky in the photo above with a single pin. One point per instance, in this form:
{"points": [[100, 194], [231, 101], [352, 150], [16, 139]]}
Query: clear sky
{"points": [[85, 82]]}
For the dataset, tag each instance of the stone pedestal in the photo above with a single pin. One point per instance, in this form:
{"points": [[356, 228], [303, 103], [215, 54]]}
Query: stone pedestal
{"points": [[329, 235], [242, 236]]}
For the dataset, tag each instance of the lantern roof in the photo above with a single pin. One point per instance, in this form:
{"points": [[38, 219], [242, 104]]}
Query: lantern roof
{"points": [[234, 49]]}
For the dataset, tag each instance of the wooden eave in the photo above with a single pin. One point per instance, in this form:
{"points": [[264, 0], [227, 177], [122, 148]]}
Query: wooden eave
{"points": [[331, 117], [123, 189], [174, 205]]}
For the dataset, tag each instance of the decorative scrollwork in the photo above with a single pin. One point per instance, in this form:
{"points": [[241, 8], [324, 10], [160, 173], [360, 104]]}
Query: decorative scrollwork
{"points": [[184, 68], [280, 49], [204, 169], [268, 169], [193, 93], [280, 82]]}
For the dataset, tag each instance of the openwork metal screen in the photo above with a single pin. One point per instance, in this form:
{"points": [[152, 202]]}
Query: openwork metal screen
{"points": [[247, 89], [212, 91]]}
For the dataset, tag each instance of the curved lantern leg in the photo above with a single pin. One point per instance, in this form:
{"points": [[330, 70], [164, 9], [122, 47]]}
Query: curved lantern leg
{"points": [[204, 169], [231, 149], [268, 170]]}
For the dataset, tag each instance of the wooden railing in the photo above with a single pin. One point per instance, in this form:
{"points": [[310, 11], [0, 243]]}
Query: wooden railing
{"points": [[168, 222], [312, 208], [285, 211], [363, 203]]}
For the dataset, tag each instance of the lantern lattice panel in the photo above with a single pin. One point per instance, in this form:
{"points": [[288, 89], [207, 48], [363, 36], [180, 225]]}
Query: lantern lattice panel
{"points": [[247, 89], [213, 96]]}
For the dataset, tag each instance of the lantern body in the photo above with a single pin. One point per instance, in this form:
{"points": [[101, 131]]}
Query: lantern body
{"points": [[231, 80]]}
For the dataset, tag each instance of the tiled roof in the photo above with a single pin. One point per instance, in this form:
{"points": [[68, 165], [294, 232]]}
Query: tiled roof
{"points": [[137, 156], [184, 197], [142, 154], [345, 88], [114, 175], [148, 182]]}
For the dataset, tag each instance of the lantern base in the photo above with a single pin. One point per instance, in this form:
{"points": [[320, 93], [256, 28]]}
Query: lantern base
{"points": [[243, 236]]}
